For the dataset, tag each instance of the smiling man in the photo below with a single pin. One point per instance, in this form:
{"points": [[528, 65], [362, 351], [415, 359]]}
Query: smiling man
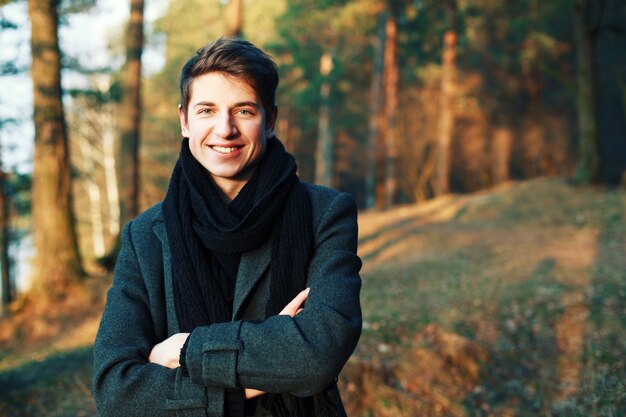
{"points": [[238, 295]]}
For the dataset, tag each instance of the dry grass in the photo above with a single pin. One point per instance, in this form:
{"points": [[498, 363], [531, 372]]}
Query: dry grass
{"points": [[45, 363], [533, 273]]}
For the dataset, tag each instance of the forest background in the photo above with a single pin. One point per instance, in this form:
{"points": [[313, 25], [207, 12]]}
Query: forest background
{"points": [[399, 103]]}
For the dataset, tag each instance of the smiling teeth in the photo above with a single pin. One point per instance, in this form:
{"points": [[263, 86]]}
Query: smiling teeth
{"points": [[221, 149]]}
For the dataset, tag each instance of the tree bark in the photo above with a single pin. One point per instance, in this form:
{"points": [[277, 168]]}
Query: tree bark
{"points": [[610, 99], [501, 144], [324, 153], [58, 261], [376, 106], [5, 278], [94, 196], [588, 156], [110, 175], [446, 120], [234, 18], [391, 109], [130, 116]]}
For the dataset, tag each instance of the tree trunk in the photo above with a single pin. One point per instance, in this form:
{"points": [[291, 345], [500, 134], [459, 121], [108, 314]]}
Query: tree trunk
{"points": [[501, 145], [610, 100], [588, 158], [93, 194], [4, 246], [446, 118], [110, 175], [376, 106], [130, 116], [391, 109], [324, 153], [533, 145], [58, 261], [234, 18]]}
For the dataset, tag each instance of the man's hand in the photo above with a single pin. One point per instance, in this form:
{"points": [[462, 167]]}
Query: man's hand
{"points": [[291, 309], [167, 353], [295, 305]]}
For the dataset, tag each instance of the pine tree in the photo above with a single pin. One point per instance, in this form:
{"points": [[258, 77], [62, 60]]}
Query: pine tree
{"points": [[58, 260], [130, 116]]}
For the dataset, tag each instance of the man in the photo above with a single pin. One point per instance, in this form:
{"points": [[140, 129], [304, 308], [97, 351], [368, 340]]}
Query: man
{"points": [[207, 311]]}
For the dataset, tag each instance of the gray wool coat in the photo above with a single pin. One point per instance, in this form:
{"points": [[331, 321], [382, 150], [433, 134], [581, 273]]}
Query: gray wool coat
{"points": [[299, 355]]}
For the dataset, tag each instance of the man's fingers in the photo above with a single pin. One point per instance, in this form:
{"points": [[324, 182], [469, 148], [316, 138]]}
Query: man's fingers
{"points": [[251, 393], [292, 308]]}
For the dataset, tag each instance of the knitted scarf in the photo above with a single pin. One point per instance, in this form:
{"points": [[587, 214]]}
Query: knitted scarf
{"points": [[207, 237]]}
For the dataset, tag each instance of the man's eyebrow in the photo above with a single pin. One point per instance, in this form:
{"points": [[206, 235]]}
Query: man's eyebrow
{"points": [[204, 104], [246, 103], [240, 104]]}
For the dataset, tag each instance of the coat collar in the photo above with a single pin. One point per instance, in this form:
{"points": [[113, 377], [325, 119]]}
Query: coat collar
{"points": [[252, 266]]}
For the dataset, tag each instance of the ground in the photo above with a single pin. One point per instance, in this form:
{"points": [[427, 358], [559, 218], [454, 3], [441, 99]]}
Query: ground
{"points": [[509, 302]]}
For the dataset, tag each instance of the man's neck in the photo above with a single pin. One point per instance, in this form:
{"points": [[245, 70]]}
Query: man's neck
{"points": [[229, 189]]}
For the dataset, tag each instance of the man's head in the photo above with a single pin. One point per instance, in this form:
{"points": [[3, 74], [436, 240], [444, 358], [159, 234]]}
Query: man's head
{"points": [[237, 58], [227, 110]]}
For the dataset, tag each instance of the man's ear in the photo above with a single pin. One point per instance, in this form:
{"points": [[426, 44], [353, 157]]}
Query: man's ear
{"points": [[184, 127], [271, 122]]}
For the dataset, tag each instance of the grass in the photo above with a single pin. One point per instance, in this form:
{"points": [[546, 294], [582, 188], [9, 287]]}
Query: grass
{"points": [[510, 302], [57, 386], [533, 273], [46, 357]]}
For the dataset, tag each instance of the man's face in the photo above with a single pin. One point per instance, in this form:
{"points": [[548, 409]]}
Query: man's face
{"points": [[227, 128]]}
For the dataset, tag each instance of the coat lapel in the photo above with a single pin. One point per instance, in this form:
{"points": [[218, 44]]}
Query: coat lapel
{"points": [[251, 268], [168, 285]]}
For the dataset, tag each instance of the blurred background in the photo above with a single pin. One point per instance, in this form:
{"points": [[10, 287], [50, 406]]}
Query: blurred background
{"points": [[483, 140]]}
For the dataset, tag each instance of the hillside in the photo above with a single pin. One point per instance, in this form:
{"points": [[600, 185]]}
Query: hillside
{"points": [[510, 302]]}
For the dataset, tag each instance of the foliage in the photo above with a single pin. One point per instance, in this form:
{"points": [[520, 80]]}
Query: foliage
{"points": [[76, 6]]}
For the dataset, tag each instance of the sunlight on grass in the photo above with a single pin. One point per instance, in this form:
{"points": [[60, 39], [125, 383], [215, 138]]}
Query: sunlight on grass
{"points": [[536, 275]]}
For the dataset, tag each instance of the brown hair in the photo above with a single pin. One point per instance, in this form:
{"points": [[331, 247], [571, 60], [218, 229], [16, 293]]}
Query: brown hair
{"points": [[235, 57]]}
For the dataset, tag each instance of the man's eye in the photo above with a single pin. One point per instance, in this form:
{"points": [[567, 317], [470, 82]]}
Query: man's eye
{"points": [[245, 112], [205, 111]]}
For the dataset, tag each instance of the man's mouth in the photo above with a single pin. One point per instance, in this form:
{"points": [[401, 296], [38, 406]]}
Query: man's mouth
{"points": [[225, 150]]}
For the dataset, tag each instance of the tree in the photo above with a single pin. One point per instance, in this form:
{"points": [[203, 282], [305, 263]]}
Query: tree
{"points": [[376, 106], [391, 76], [609, 31], [58, 260], [587, 168], [5, 277], [446, 121], [6, 292], [324, 154], [130, 116], [234, 18]]}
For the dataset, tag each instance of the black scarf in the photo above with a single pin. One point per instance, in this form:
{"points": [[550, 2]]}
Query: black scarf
{"points": [[205, 235], [206, 239]]}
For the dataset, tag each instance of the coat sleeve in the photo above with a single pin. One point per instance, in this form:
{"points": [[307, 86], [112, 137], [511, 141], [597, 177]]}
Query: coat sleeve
{"points": [[300, 355], [125, 383]]}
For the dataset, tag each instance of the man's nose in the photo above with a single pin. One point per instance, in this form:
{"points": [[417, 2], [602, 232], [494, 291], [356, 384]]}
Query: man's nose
{"points": [[225, 126]]}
